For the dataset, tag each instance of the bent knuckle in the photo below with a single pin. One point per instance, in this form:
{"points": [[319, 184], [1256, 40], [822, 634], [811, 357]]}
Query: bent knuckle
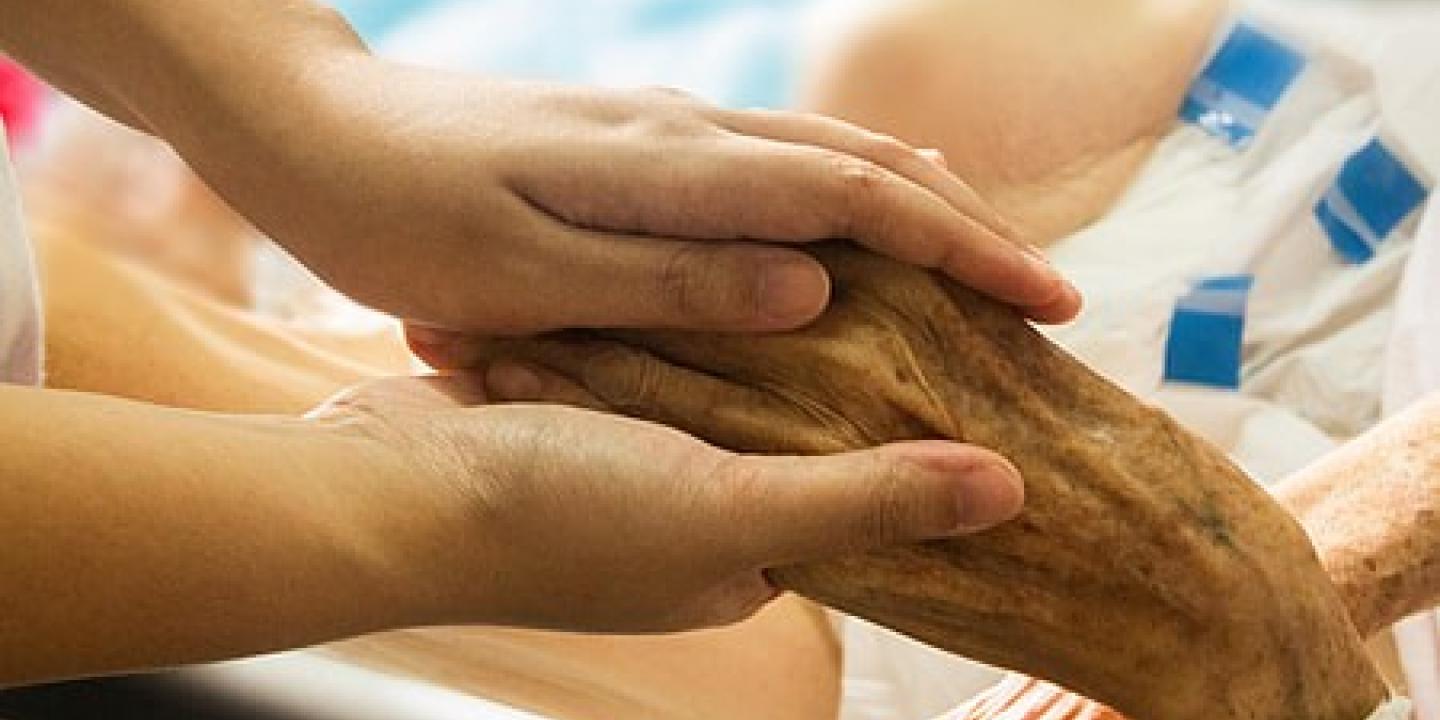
{"points": [[894, 504], [889, 151], [624, 378], [856, 186], [740, 479], [683, 282], [859, 178]]}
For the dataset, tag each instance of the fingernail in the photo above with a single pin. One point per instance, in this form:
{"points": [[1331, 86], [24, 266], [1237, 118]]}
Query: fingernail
{"points": [[509, 381], [793, 291], [990, 494], [1035, 252], [1039, 261], [425, 335], [935, 156], [1072, 295]]}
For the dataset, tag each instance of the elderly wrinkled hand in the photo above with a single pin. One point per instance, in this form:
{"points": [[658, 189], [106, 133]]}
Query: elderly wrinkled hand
{"points": [[551, 517]]}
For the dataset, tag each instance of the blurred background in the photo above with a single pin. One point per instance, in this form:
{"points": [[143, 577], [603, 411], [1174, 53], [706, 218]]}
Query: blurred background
{"points": [[130, 193]]}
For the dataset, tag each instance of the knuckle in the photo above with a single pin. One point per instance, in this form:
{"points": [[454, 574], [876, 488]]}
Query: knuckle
{"points": [[889, 151], [894, 505], [669, 113], [683, 282], [624, 378], [741, 480], [857, 183]]}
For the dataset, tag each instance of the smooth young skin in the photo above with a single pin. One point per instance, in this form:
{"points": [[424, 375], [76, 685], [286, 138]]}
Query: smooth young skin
{"points": [[136, 537], [483, 205], [142, 538], [116, 329]]}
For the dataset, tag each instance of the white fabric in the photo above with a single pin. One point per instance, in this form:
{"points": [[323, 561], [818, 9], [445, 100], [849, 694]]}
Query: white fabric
{"points": [[1393, 710], [20, 345], [890, 677], [1317, 330]]}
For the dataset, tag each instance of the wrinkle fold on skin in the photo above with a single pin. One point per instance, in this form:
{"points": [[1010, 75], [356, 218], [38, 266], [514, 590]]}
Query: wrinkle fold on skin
{"points": [[1142, 551]]}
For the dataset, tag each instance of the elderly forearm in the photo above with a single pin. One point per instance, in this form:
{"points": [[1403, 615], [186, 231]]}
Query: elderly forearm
{"points": [[116, 329], [133, 537], [1373, 511]]}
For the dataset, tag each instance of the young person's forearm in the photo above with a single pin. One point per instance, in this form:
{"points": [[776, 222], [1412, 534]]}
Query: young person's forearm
{"points": [[1373, 511], [133, 537], [167, 65]]}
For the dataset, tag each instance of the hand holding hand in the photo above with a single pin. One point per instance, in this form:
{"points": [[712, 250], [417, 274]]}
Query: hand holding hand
{"points": [[510, 208], [563, 518]]}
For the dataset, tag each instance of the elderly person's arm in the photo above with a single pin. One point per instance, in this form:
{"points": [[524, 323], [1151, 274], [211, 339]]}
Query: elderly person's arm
{"points": [[1139, 544], [1371, 509]]}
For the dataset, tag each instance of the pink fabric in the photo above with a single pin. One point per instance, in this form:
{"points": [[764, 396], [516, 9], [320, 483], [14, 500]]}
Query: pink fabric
{"points": [[21, 100]]}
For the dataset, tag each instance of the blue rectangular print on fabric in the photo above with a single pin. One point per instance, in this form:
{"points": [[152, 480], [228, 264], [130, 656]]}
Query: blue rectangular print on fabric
{"points": [[1374, 193], [1241, 85], [1207, 333]]}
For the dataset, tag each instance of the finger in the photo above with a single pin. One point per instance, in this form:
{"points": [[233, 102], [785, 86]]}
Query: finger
{"points": [[935, 156], [632, 381], [614, 280], [519, 382], [434, 346], [883, 150], [801, 509], [848, 197], [926, 168], [743, 187]]}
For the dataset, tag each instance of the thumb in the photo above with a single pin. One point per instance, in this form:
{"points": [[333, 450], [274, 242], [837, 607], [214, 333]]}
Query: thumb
{"points": [[819, 507]]}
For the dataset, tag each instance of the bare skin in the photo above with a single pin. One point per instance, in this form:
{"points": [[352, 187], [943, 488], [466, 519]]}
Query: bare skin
{"points": [[1021, 213], [1369, 508], [287, 116], [1139, 542], [564, 676], [166, 343], [1046, 107], [297, 125]]}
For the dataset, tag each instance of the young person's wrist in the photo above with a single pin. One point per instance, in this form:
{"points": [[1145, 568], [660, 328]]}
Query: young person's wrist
{"points": [[382, 511], [412, 518]]}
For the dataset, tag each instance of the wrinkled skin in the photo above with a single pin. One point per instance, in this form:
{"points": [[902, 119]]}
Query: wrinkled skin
{"points": [[1140, 544]]}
